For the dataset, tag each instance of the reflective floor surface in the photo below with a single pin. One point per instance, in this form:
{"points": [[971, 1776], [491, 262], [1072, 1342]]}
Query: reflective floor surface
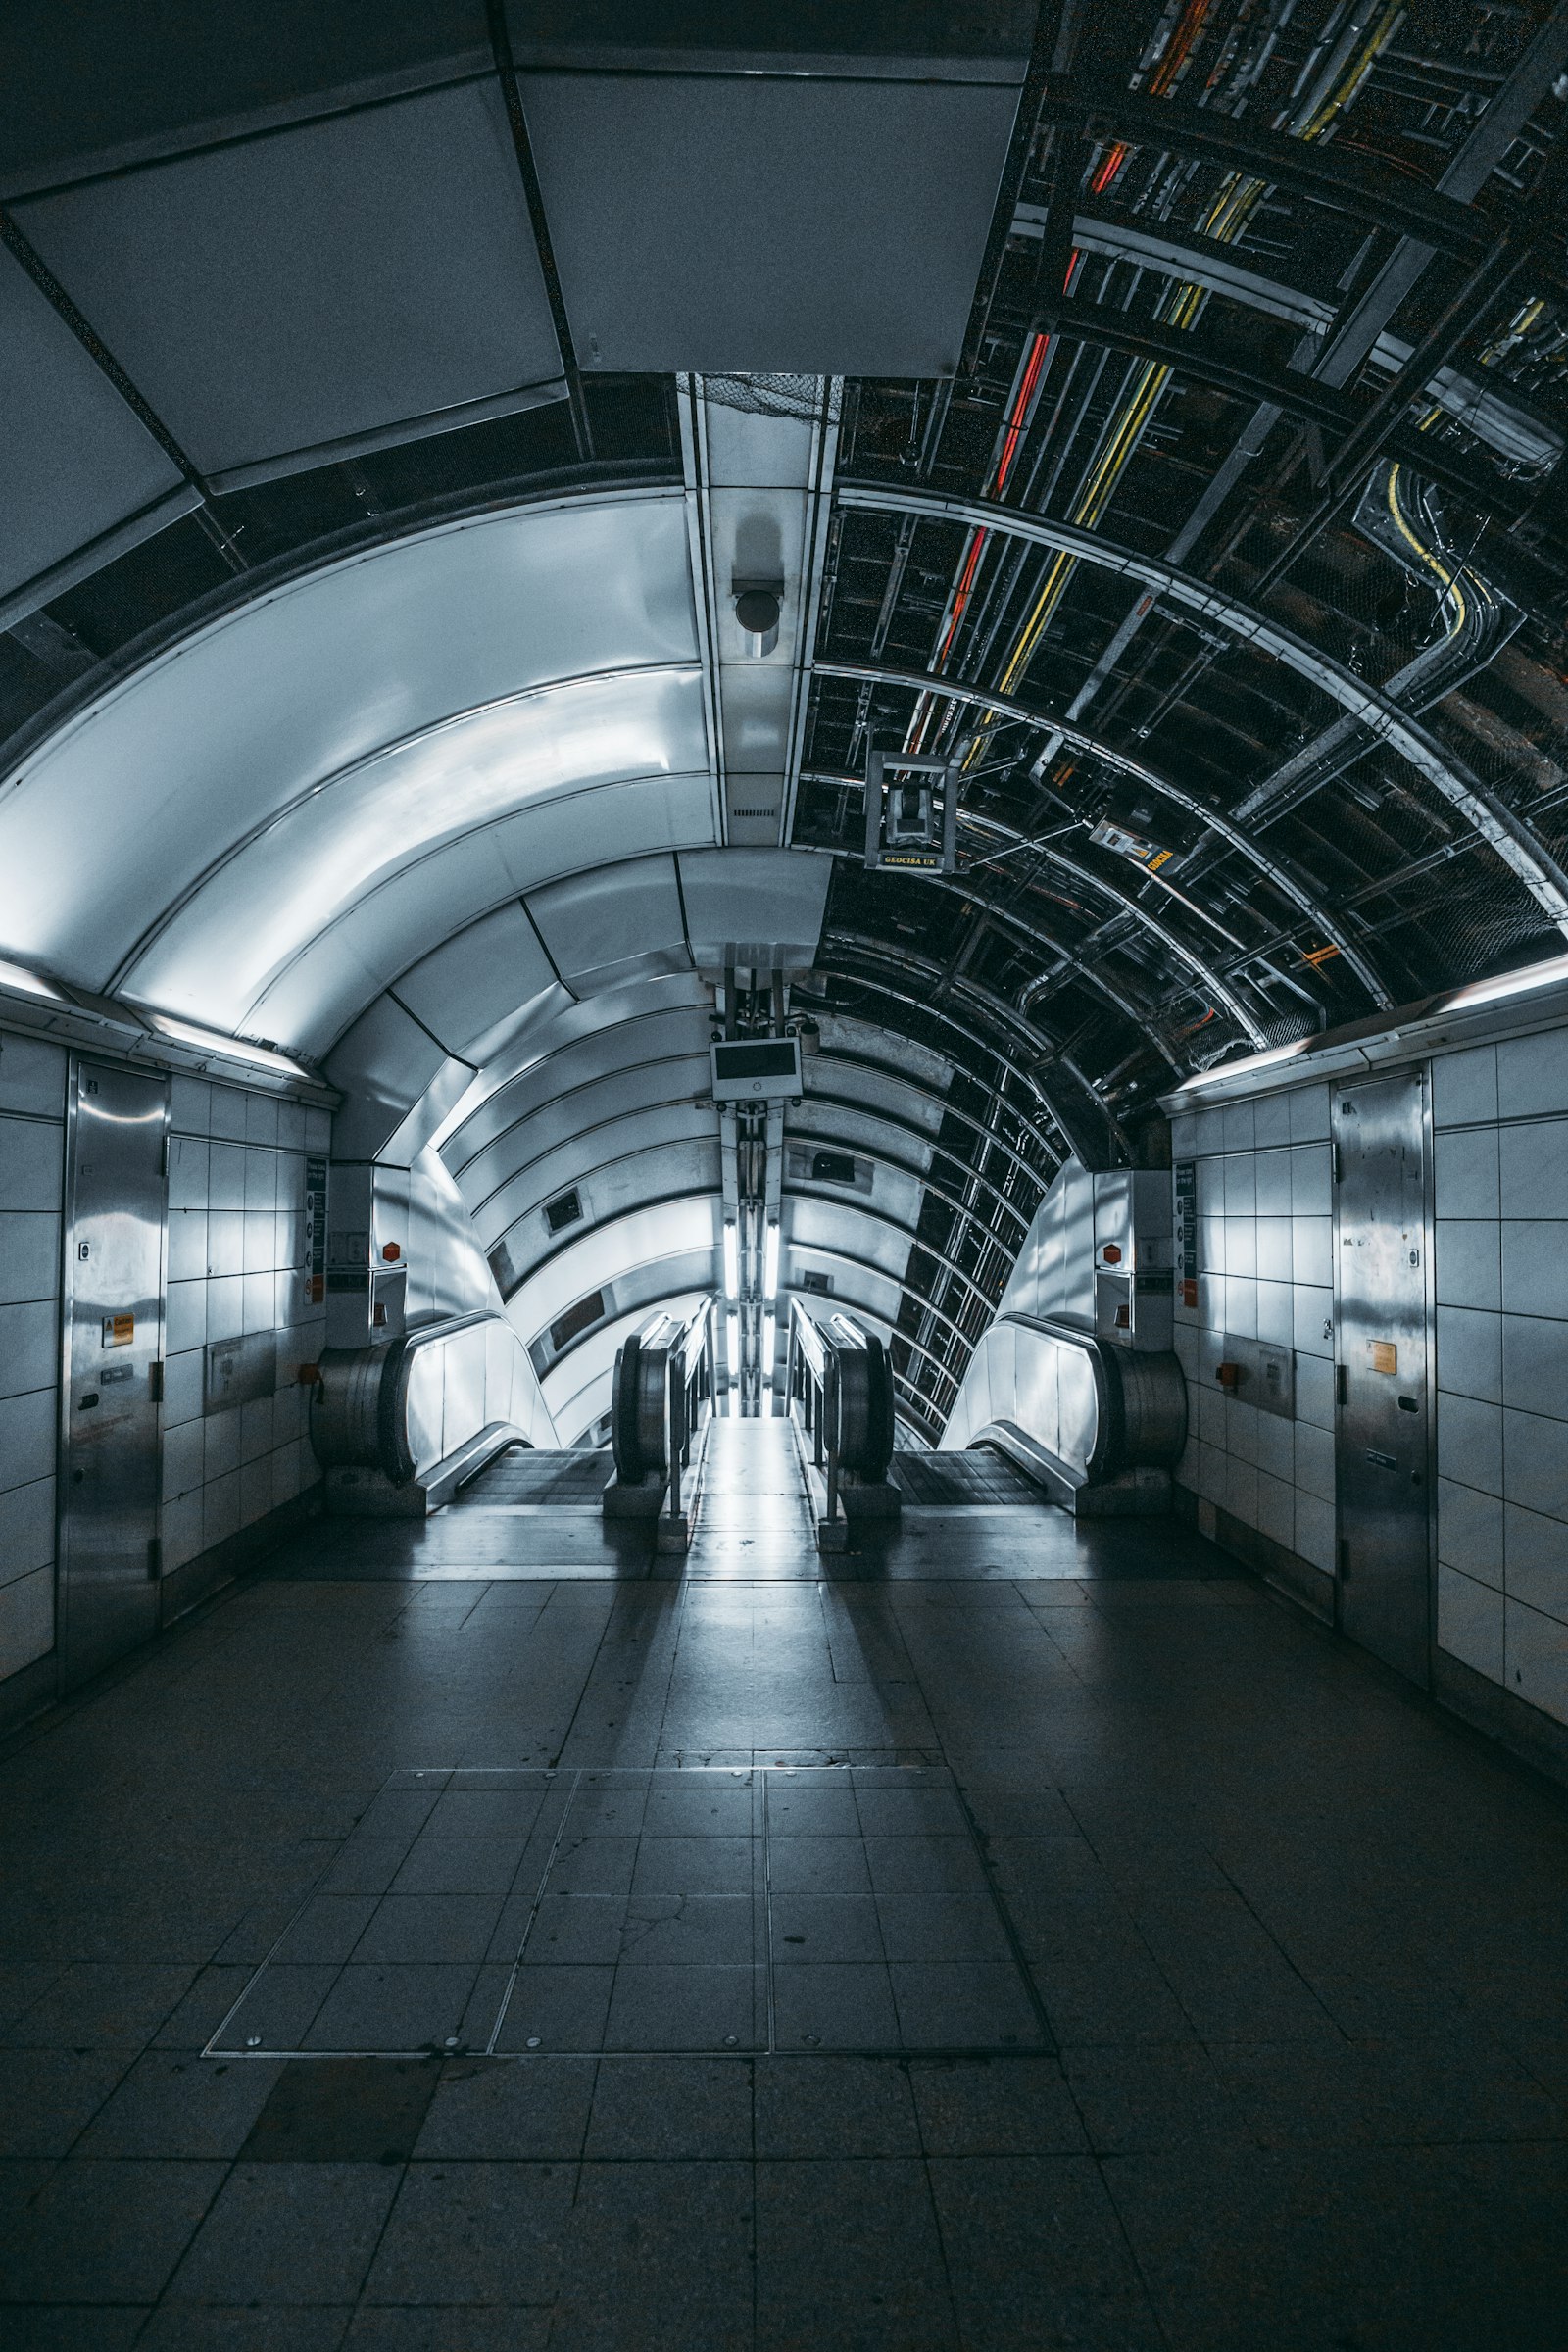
{"points": [[1028, 1938]]}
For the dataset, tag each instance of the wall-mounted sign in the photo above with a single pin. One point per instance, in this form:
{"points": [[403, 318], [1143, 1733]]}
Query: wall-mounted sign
{"points": [[120, 1331], [1185, 1174], [314, 1231]]}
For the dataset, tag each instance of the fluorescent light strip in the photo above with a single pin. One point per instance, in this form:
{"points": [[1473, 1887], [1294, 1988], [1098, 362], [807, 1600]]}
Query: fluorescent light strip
{"points": [[24, 983], [732, 1262], [770, 1266], [234, 1048], [732, 1345]]}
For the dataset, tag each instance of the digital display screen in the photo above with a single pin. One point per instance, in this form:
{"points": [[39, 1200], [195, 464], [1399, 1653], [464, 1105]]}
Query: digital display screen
{"points": [[761, 1057]]}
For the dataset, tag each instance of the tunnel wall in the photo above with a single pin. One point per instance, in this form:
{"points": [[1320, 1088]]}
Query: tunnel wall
{"points": [[234, 1265], [1265, 1487]]}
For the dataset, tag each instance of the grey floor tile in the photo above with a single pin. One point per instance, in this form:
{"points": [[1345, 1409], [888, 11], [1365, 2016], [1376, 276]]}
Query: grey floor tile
{"points": [[288, 2233], [47, 2097], [429, 1928], [1143, 2095], [557, 2009], [95, 2232], [659, 2256], [67, 2327], [575, 1931], [513, 2109], [808, 1929], [413, 2006], [667, 2108], [692, 1866], [849, 2252], [342, 2111], [686, 2007], [711, 1929], [326, 1930], [277, 2008], [1036, 2253], [174, 2104], [1357, 2094], [828, 2107], [439, 2327], [942, 1927], [844, 2006], [995, 2107], [807, 1810], [474, 2233], [964, 2004], [102, 2005], [436, 1865], [178, 2328], [813, 1865]]}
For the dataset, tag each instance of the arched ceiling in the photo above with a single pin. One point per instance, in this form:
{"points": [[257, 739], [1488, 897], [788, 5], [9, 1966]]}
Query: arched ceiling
{"points": [[1157, 411]]}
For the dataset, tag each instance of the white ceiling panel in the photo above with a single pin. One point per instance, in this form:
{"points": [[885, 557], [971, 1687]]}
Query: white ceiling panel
{"points": [[476, 980], [648, 1022], [307, 868], [121, 813], [604, 927], [665, 1230], [317, 285], [606, 1120], [771, 900]]}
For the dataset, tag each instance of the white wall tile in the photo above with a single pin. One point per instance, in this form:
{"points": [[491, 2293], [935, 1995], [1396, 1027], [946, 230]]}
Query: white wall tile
{"points": [[1184, 1341], [1241, 1186], [1272, 1240], [221, 1433], [255, 1491], [1241, 1490], [1314, 1530], [260, 1118], [1240, 1129], [1275, 1183], [228, 1112], [219, 1509], [190, 1106], [1211, 1245], [291, 1126], [1465, 1173], [225, 1176], [1211, 1301], [1535, 1560], [28, 1346], [182, 1388], [1469, 1262], [27, 1434], [1241, 1246], [1312, 1250], [32, 1164], [1271, 1121], [27, 1528], [1276, 1314], [1240, 1430], [1470, 1622], [261, 1302], [185, 1325], [185, 1459], [1240, 1304], [225, 1307], [261, 1240], [1310, 1114], [180, 1527], [1532, 1074], [1274, 1448], [1470, 1531], [1470, 1352], [1535, 1266], [1314, 1390], [317, 1130], [1211, 1415], [1534, 1463], [1311, 1181], [187, 1245], [29, 1256], [261, 1178], [1314, 1321], [1315, 1460], [225, 1241], [1470, 1443], [33, 1077], [1276, 1511], [1533, 1169], [1464, 1086], [1211, 1187], [255, 1428], [1536, 1659], [1534, 1366], [187, 1173], [26, 1620]]}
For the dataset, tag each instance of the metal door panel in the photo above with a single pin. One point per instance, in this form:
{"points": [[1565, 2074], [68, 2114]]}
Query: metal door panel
{"points": [[1383, 1472], [113, 1344]]}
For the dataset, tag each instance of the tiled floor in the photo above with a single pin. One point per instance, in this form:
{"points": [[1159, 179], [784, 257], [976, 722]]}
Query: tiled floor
{"points": [[1289, 1948]]}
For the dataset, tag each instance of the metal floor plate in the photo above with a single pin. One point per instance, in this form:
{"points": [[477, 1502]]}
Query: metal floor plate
{"points": [[727, 1911]]}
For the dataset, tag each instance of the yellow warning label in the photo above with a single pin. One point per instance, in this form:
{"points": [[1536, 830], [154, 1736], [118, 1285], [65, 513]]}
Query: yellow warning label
{"points": [[118, 1330], [1382, 1356]]}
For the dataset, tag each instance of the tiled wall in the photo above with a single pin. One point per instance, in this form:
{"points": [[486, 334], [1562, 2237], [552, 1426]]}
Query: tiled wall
{"points": [[32, 1096], [236, 1218], [1501, 1115], [1265, 1272]]}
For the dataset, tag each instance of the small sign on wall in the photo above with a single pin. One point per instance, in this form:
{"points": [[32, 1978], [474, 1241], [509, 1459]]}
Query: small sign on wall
{"points": [[1185, 1174], [314, 1230], [120, 1331], [238, 1371]]}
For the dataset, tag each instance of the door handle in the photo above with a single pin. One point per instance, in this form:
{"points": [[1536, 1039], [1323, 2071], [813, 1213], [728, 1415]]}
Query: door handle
{"points": [[1410, 1405]]}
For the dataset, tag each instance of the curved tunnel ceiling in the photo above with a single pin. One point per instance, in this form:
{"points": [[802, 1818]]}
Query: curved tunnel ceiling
{"points": [[370, 683]]}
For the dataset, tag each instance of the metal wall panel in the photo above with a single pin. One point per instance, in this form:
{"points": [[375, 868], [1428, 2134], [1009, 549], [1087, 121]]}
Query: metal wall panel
{"points": [[773, 899], [574, 1044], [580, 1154], [122, 812], [606, 927], [1382, 1258], [116, 1214]]}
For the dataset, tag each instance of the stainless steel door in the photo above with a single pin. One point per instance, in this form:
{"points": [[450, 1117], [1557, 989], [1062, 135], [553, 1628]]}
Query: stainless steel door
{"points": [[1382, 1321], [113, 1341]]}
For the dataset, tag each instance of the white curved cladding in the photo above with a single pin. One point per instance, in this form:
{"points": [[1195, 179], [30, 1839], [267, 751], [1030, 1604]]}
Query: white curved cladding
{"points": [[636, 1149], [607, 925], [641, 1239], [1043, 1386], [577, 1389], [116, 817], [230, 945], [461, 1381], [773, 899]]}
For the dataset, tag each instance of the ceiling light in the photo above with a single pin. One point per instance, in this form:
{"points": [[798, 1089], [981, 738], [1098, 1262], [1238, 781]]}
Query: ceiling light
{"points": [[233, 1049]]}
